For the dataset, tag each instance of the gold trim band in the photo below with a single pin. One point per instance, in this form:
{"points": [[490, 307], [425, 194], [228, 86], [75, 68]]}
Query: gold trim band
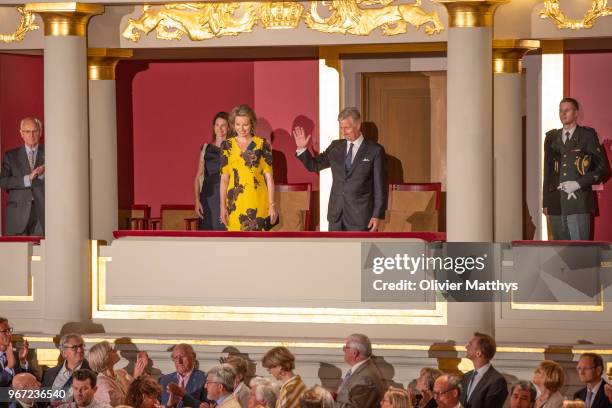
{"points": [[471, 13], [101, 62], [508, 54], [65, 19]]}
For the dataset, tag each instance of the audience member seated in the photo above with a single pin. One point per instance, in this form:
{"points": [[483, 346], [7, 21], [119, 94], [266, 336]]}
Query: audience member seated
{"points": [[574, 404], [241, 390], [608, 391], [84, 386], [11, 362], [484, 386], [424, 385], [185, 386], [220, 386], [362, 385], [112, 385], [548, 378], [144, 392], [447, 391], [280, 362], [72, 350], [263, 394], [396, 398], [25, 381], [523, 395], [317, 397], [590, 369]]}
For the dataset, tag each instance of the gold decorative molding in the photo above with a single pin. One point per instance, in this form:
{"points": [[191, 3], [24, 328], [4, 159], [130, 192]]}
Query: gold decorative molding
{"points": [[508, 54], [101, 62], [202, 21], [552, 10], [347, 17], [26, 24], [471, 13], [65, 19]]}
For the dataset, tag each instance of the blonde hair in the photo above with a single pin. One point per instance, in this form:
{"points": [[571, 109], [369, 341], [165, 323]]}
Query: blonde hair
{"points": [[243, 111], [279, 356], [398, 397], [574, 404], [98, 356], [554, 376]]}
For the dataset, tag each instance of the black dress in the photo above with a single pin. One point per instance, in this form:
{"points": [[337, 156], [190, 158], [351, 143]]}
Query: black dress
{"points": [[209, 194]]}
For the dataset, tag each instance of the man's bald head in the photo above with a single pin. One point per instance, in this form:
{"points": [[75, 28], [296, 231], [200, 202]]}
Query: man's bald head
{"points": [[25, 381]]}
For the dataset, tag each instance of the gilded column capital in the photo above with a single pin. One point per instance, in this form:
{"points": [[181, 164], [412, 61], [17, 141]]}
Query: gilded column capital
{"points": [[471, 13], [65, 19], [101, 62], [508, 54]]}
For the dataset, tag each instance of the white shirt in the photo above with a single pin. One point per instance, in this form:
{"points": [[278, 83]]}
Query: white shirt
{"points": [[571, 133], [356, 144], [478, 376], [26, 179], [62, 378], [357, 365], [594, 390]]}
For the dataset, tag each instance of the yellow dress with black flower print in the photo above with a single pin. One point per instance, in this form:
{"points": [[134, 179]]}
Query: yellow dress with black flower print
{"points": [[247, 193]]}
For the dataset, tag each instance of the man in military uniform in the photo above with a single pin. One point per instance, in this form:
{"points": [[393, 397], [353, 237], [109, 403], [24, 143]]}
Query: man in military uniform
{"points": [[573, 161]]}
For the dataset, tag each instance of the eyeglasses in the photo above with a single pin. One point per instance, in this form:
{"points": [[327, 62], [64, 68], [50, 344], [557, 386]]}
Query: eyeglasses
{"points": [[177, 358], [30, 131], [345, 347], [7, 331], [438, 394], [75, 347], [211, 382], [585, 368]]}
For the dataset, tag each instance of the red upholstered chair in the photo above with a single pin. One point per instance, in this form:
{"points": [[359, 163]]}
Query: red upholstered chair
{"points": [[293, 206], [139, 216], [413, 207]]}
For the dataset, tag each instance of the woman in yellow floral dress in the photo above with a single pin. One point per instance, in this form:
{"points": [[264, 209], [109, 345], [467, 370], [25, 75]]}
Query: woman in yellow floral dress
{"points": [[247, 185]]}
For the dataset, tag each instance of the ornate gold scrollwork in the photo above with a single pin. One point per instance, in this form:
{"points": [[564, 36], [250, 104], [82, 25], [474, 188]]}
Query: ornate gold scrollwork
{"points": [[201, 21], [552, 10], [347, 17], [26, 24]]}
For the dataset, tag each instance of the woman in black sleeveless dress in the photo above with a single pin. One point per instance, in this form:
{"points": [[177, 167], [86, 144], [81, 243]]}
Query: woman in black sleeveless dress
{"points": [[208, 177]]}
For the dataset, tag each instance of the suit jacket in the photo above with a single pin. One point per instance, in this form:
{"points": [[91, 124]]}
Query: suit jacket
{"points": [[490, 392], [6, 378], [195, 391], [14, 167], [365, 388], [599, 401], [431, 404], [356, 195], [242, 395], [51, 373], [582, 159], [229, 402]]}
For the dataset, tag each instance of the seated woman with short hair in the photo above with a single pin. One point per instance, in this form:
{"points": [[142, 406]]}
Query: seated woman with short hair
{"points": [[548, 378]]}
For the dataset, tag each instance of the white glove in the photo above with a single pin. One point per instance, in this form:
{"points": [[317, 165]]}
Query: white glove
{"points": [[572, 195], [570, 186]]}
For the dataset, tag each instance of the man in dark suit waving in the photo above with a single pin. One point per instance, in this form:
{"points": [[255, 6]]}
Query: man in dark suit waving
{"points": [[484, 386], [573, 161], [590, 369], [358, 198], [22, 176]]}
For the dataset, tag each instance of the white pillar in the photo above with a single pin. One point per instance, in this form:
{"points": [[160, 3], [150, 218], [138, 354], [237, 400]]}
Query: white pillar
{"points": [[507, 130], [66, 162], [103, 140], [469, 211]]}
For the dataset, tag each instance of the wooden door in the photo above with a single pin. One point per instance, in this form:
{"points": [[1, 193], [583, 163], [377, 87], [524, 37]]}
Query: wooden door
{"points": [[397, 112]]}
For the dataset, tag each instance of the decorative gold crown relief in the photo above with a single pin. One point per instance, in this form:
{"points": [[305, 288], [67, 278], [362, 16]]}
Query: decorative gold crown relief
{"points": [[552, 10], [201, 21], [25, 24]]}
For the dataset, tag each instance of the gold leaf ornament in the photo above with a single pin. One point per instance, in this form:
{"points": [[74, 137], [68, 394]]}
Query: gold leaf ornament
{"points": [[25, 24], [552, 10]]}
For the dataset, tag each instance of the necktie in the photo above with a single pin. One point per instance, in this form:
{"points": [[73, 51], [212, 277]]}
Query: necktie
{"points": [[3, 361], [566, 137], [182, 381], [589, 398], [348, 159], [469, 391], [31, 159]]}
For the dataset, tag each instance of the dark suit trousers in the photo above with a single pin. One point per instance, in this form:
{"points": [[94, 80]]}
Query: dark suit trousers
{"points": [[33, 226], [341, 226], [571, 227]]}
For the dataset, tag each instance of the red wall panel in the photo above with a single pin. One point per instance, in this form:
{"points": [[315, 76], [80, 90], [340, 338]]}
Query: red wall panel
{"points": [[21, 95], [591, 85]]}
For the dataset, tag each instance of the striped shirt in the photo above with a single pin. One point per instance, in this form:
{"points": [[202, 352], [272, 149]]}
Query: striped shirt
{"points": [[290, 393]]}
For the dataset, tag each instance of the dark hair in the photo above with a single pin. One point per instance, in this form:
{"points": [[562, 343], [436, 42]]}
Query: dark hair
{"points": [[487, 345], [595, 358], [3, 320], [573, 101], [526, 386], [222, 115], [144, 385], [86, 374]]}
